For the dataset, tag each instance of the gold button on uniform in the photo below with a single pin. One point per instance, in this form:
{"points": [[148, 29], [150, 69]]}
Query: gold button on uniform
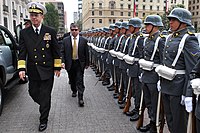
{"points": [[44, 62], [43, 56], [42, 49], [35, 49], [35, 56], [35, 63]]}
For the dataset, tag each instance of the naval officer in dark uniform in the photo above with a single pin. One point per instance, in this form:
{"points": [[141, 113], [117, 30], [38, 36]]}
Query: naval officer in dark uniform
{"points": [[40, 57], [175, 89]]}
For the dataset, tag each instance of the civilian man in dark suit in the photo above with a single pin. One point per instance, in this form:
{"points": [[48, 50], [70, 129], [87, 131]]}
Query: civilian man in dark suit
{"points": [[39, 50], [75, 59]]}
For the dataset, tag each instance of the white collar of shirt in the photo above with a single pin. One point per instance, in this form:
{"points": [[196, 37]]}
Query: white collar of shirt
{"points": [[77, 39], [39, 28]]}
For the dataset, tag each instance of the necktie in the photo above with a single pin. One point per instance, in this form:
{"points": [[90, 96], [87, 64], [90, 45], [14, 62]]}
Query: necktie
{"points": [[74, 54], [36, 31]]}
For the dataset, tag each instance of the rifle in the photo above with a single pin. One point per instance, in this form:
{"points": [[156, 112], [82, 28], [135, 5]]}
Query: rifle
{"points": [[121, 90], [100, 78], [160, 115], [141, 112], [128, 97]]}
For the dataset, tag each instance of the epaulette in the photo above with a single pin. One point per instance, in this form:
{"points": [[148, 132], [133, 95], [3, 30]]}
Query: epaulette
{"points": [[161, 35], [190, 33], [141, 35]]}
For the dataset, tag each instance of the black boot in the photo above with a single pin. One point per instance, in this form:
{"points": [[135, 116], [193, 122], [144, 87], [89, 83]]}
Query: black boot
{"points": [[153, 127], [145, 128]]}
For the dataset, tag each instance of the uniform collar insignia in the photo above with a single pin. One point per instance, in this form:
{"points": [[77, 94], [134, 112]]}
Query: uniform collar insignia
{"points": [[47, 37]]}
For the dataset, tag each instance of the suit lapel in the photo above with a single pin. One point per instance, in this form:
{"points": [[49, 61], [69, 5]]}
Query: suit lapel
{"points": [[33, 35]]}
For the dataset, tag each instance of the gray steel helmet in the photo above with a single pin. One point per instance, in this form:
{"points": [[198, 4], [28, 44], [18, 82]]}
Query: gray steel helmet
{"points": [[124, 25], [118, 24], [181, 14], [106, 29], [154, 20], [135, 22], [112, 27]]}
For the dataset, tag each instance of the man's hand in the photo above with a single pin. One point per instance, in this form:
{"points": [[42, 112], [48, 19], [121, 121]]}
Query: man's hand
{"points": [[63, 65], [188, 104], [22, 75], [57, 73]]}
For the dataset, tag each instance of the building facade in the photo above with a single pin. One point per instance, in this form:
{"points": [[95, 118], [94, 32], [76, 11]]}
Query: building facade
{"points": [[194, 8], [100, 13], [12, 13]]}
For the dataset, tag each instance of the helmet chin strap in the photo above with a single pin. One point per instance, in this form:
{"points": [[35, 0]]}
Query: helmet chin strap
{"points": [[151, 29], [179, 26]]}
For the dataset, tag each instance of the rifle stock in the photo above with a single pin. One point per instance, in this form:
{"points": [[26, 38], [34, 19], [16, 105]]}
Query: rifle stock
{"points": [[141, 112], [128, 96]]}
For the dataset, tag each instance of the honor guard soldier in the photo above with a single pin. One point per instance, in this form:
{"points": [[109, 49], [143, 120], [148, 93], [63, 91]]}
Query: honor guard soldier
{"points": [[180, 54], [153, 48], [195, 83], [110, 58], [135, 53], [123, 49], [115, 60], [40, 57]]}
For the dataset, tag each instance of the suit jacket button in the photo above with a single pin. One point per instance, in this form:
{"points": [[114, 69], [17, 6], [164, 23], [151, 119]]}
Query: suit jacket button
{"points": [[35, 49], [35, 63], [42, 49], [44, 62]]}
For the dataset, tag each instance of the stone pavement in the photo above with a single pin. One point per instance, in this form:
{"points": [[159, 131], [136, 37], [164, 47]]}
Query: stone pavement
{"points": [[100, 114]]}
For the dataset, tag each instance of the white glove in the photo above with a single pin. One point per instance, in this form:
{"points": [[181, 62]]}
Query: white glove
{"points": [[113, 62], [158, 85], [195, 83], [188, 104], [182, 100], [140, 77]]}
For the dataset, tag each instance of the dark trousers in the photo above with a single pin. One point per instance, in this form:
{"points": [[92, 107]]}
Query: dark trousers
{"points": [[76, 75], [198, 125], [151, 99], [136, 91], [175, 113], [40, 91]]}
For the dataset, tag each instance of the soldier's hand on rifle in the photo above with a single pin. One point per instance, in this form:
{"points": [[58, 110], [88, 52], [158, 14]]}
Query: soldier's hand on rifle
{"points": [[195, 83], [188, 104]]}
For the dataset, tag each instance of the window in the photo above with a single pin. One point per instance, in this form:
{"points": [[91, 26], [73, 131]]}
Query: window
{"points": [[112, 13], [121, 6], [143, 7], [110, 21], [136, 14], [143, 0], [157, 8], [129, 6], [100, 5], [129, 13], [92, 13], [100, 13], [92, 5], [151, 7], [151, 0], [121, 13], [5, 22], [100, 21], [113, 20], [112, 4], [197, 7], [92, 20], [143, 14], [197, 13]]}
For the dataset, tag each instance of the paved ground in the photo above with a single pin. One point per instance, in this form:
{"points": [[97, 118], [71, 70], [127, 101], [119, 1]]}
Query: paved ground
{"points": [[101, 113]]}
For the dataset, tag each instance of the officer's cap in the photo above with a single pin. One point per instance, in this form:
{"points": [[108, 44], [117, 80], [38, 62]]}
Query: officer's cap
{"points": [[35, 7]]}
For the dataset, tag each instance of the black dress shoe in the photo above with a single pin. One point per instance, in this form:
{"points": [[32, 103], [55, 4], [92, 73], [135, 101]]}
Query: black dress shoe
{"points": [[116, 96], [132, 112], [111, 86], [42, 126], [105, 83], [74, 94], [81, 103], [135, 117], [122, 106], [111, 89], [145, 128]]}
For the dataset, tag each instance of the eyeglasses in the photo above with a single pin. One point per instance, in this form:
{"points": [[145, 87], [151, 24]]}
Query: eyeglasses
{"points": [[34, 14], [74, 29]]}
